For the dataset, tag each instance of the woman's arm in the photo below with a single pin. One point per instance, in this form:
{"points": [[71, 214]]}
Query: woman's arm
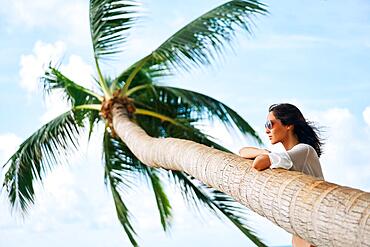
{"points": [[252, 152], [261, 162], [260, 156]]}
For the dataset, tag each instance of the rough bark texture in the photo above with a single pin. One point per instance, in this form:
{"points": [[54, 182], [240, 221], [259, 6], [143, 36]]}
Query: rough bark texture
{"points": [[322, 213]]}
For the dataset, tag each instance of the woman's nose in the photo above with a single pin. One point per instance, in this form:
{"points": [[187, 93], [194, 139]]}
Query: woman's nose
{"points": [[267, 130]]}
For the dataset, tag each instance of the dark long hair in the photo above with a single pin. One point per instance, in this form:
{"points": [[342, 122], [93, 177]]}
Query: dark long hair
{"points": [[306, 132]]}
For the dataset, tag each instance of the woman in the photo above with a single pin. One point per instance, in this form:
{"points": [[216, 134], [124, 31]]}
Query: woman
{"points": [[296, 146]]}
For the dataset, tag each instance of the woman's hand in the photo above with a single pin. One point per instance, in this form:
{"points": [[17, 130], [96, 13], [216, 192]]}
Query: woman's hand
{"points": [[252, 152]]}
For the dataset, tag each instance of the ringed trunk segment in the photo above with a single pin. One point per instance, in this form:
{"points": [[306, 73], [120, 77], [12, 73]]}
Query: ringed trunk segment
{"points": [[323, 213]]}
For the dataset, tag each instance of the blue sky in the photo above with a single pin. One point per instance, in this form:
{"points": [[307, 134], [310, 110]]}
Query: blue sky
{"points": [[314, 54]]}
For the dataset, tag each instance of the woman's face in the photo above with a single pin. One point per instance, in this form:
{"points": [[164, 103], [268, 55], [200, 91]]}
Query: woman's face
{"points": [[277, 132]]}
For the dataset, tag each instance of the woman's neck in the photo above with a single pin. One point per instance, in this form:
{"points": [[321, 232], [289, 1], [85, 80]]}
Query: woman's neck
{"points": [[290, 142]]}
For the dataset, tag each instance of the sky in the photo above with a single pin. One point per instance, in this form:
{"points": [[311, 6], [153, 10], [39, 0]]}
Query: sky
{"points": [[314, 54]]}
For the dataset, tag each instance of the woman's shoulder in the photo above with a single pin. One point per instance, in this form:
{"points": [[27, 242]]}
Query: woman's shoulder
{"points": [[302, 145], [305, 148]]}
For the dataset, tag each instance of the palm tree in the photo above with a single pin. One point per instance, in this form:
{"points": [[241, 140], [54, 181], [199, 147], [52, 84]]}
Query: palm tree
{"points": [[162, 111], [133, 105], [322, 213]]}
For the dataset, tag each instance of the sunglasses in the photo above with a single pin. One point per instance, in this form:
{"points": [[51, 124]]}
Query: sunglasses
{"points": [[268, 124]]}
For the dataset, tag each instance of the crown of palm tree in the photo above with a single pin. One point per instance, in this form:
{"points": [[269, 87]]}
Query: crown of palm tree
{"points": [[162, 111]]}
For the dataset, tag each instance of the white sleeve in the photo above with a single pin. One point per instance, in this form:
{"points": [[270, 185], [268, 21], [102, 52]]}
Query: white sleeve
{"points": [[300, 156], [279, 157]]}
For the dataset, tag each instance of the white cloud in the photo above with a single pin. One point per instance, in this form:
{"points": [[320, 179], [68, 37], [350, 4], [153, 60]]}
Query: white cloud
{"points": [[78, 71], [34, 65], [366, 115], [9, 143], [69, 16], [346, 155], [54, 106], [66, 196], [61, 194]]}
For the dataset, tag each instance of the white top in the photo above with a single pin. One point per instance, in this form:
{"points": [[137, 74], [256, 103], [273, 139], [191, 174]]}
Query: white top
{"points": [[302, 157]]}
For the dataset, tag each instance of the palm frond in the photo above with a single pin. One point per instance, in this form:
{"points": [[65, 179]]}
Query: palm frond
{"points": [[75, 94], [36, 155], [93, 119], [217, 202], [110, 22], [199, 42], [118, 172], [193, 192], [180, 103], [236, 213], [162, 117], [145, 76], [183, 130], [121, 171], [189, 132], [163, 204]]}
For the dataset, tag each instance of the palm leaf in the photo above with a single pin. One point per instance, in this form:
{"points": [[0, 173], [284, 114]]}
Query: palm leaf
{"points": [[120, 162], [236, 213], [217, 202], [201, 40], [189, 132], [145, 76], [213, 108], [36, 155], [75, 94], [179, 103], [183, 129], [118, 166], [163, 204], [194, 193], [122, 168], [110, 21]]}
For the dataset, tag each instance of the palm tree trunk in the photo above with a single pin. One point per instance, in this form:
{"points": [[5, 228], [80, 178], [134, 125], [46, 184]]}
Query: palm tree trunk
{"points": [[325, 214]]}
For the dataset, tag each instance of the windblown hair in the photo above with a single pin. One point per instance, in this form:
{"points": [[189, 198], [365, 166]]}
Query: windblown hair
{"points": [[306, 132]]}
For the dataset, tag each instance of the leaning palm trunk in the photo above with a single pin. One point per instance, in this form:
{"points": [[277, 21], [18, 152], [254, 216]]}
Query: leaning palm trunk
{"points": [[322, 213]]}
